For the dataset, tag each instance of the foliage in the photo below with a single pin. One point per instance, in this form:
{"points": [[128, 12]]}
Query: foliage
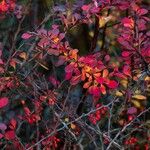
{"points": [[75, 76]]}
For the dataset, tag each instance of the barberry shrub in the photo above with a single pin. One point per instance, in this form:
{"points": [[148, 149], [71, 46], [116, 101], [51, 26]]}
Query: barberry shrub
{"points": [[74, 74]]}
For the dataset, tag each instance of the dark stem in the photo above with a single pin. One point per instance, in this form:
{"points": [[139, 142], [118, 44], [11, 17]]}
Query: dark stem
{"points": [[104, 32], [136, 30], [96, 33]]}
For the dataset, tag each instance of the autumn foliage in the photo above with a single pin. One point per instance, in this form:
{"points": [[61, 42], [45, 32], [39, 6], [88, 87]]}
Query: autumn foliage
{"points": [[55, 95]]}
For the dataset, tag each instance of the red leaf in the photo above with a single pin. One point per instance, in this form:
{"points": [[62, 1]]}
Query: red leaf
{"points": [[68, 75], [3, 102], [142, 11], [125, 43], [86, 85], [54, 81], [85, 7], [107, 58], [75, 80], [27, 110], [69, 68], [125, 54], [100, 80], [123, 5], [103, 89], [0, 51], [13, 124], [53, 52], [61, 61], [120, 75], [26, 36], [94, 90], [10, 135], [1, 135], [112, 84], [127, 70], [128, 22], [1, 62]]}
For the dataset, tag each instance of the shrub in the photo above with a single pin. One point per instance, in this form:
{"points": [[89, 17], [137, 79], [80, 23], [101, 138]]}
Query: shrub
{"points": [[75, 76]]}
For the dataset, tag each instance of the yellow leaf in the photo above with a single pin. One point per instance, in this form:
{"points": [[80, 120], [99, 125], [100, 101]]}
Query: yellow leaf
{"points": [[124, 83], [87, 69], [66, 119], [91, 33], [119, 94], [136, 104], [147, 78], [104, 20], [137, 92], [139, 97]]}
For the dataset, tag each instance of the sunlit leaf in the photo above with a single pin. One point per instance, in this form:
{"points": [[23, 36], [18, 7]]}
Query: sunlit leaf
{"points": [[105, 73], [103, 89], [118, 93], [73, 126], [139, 97], [124, 83], [103, 20], [128, 22]]}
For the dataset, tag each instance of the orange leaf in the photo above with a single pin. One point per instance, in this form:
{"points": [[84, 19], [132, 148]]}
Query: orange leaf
{"points": [[105, 73], [83, 75], [96, 75], [103, 89], [73, 126]]}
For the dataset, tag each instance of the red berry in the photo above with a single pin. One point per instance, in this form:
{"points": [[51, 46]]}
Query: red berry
{"points": [[130, 118]]}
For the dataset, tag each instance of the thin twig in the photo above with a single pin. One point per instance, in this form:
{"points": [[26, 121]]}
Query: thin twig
{"points": [[125, 127]]}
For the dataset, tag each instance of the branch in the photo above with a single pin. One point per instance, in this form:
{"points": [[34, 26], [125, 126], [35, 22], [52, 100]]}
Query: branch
{"points": [[66, 124], [96, 33], [125, 127]]}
